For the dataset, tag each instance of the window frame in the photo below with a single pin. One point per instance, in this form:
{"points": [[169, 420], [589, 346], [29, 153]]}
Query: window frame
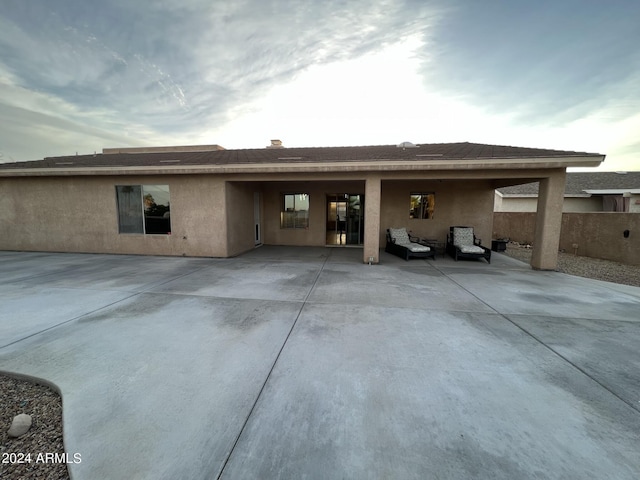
{"points": [[143, 206], [426, 212], [293, 222]]}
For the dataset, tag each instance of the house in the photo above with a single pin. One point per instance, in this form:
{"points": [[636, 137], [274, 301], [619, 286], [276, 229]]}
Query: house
{"points": [[209, 201], [584, 192]]}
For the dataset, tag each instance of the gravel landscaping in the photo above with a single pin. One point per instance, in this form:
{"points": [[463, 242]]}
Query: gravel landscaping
{"points": [[587, 267], [45, 405], [25, 457]]}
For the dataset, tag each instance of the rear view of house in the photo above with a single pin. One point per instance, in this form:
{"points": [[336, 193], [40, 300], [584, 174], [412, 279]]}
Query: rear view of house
{"points": [[209, 201]]}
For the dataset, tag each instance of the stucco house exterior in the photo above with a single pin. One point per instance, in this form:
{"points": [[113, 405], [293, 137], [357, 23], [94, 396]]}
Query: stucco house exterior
{"points": [[209, 201], [584, 192]]}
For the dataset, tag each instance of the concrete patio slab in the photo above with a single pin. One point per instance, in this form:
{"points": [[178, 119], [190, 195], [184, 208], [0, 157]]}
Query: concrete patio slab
{"points": [[117, 272], [22, 265], [306, 363], [158, 386], [400, 393], [266, 280], [26, 310], [410, 285], [547, 293], [606, 351]]}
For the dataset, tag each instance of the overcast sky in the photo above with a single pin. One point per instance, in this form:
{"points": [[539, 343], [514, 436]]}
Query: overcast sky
{"points": [[82, 75]]}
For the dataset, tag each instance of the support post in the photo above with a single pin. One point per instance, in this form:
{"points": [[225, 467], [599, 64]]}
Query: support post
{"points": [[372, 196], [548, 221]]}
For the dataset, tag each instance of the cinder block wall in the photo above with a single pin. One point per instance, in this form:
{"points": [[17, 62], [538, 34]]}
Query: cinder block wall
{"points": [[597, 234]]}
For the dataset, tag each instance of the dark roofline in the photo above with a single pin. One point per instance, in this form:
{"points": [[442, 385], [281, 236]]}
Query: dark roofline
{"points": [[194, 160]]}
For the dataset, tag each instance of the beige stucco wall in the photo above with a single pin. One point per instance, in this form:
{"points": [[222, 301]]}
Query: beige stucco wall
{"points": [[597, 234], [315, 235], [79, 214], [212, 215], [578, 205], [241, 220], [458, 202], [510, 204], [530, 204]]}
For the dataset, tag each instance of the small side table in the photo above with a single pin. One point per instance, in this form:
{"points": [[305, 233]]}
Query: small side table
{"points": [[499, 245], [436, 245]]}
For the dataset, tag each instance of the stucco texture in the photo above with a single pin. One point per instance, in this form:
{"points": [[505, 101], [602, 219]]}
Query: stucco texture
{"points": [[79, 214], [457, 202], [597, 234]]}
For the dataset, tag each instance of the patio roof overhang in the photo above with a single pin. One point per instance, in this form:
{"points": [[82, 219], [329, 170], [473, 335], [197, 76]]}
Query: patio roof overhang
{"points": [[377, 165]]}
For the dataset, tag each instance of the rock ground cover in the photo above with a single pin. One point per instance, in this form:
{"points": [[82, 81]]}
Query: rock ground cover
{"points": [[45, 435], [587, 267]]}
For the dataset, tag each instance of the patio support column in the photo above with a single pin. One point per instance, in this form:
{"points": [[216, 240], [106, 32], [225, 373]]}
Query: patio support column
{"points": [[548, 221], [372, 195]]}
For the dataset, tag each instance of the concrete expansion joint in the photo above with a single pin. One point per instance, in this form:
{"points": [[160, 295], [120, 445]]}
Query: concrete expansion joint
{"points": [[155, 285], [538, 340], [266, 380], [57, 325], [574, 365]]}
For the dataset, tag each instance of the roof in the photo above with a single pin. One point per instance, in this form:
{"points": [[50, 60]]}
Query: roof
{"points": [[584, 184], [389, 153], [403, 157]]}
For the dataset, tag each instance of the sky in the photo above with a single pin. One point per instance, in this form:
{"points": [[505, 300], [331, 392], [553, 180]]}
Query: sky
{"points": [[83, 75]]}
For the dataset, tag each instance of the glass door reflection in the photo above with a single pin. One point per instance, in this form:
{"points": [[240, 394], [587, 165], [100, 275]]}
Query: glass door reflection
{"points": [[345, 219]]}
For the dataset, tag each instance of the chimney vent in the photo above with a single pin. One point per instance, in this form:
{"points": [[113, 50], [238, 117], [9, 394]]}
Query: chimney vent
{"points": [[276, 144]]}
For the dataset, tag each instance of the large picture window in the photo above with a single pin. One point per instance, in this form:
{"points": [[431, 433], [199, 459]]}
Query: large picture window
{"points": [[144, 209], [422, 205], [295, 210]]}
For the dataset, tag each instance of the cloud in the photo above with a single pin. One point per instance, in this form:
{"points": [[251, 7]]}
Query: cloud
{"points": [[549, 61], [82, 75], [179, 67]]}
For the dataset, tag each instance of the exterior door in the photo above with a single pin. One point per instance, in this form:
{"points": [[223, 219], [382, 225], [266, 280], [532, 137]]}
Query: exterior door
{"points": [[355, 220], [256, 218], [345, 219]]}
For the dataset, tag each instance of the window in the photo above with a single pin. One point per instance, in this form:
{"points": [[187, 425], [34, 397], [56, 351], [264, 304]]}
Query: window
{"points": [[422, 205], [295, 210], [143, 209]]}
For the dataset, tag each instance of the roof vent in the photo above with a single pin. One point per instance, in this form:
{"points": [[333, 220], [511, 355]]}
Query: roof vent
{"points": [[404, 145], [276, 144]]}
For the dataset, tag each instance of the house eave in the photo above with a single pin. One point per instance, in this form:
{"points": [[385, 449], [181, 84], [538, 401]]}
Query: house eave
{"points": [[379, 165]]}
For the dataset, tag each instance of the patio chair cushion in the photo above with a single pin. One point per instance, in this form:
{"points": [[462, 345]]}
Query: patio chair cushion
{"points": [[416, 247], [471, 249], [399, 236], [463, 236]]}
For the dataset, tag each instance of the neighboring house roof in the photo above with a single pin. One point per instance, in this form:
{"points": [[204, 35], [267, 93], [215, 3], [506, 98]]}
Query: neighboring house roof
{"points": [[583, 184], [159, 157]]}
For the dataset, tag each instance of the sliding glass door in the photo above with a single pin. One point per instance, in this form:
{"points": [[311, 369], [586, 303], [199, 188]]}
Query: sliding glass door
{"points": [[345, 219]]}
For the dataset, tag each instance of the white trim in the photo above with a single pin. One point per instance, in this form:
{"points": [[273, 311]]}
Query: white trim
{"points": [[614, 191]]}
